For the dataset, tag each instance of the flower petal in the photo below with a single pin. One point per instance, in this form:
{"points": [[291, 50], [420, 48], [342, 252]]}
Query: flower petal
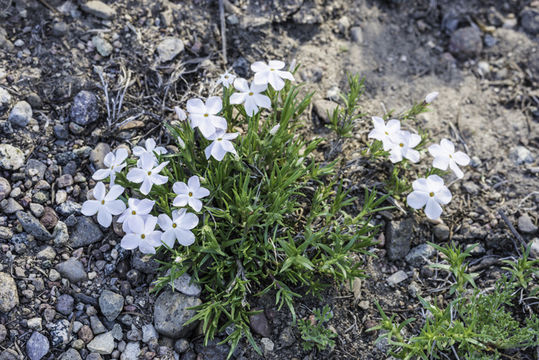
{"points": [[458, 172], [136, 175], [436, 150], [115, 207], [262, 101], [276, 64], [180, 188], [184, 237], [147, 161], [195, 203], [441, 162], [433, 210], [145, 206], [164, 221], [149, 224], [417, 199], [206, 128], [276, 82], [130, 241], [412, 155], [180, 200], [135, 224], [114, 192], [435, 183], [250, 106], [214, 105], [259, 66], [195, 106], [261, 77], [241, 85], [285, 75], [414, 140], [393, 126], [201, 193], [461, 158], [169, 237], [193, 183], [101, 174], [443, 196], [157, 179], [448, 146], [104, 217], [108, 160], [121, 155], [99, 191], [146, 186], [238, 98], [188, 221], [90, 207], [421, 185], [208, 150]]}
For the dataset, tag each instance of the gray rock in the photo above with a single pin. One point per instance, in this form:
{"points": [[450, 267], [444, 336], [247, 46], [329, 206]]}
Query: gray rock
{"points": [[46, 253], [466, 43], [94, 356], [5, 188], [131, 351], [534, 248], [5, 99], [59, 29], [37, 209], [11, 158], [267, 345], [102, 344], [181, 346], [98, 9], [169, 48], [69, 207], [70, 354], [97, 325], [3, 333], [65, 304], [84, 110], [9, 298], [171, 314], [420, 255], [111, 304], [97, 155], [60, 131], [398, 238], [356, 34], [529, 19], [441, 232], [259, 324], [149, 333], [397, 277], [59, 331], [526, 225], [103, 47], [32, 226], [212, 351], [37, 346], [521, 155], [144, 263], [73, 270], [60, 234], [117, 332], [182, 284], [86, 232], [471, 188], [35, 168], [324, 109], [21, 114], [287, 338]]}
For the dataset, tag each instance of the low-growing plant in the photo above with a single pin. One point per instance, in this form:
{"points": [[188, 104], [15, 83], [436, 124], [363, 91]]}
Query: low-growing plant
{"points": [[314, 332], [480, 325], [242, 206]]}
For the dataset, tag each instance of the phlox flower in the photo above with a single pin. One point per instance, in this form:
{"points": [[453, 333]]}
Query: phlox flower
{"points": [[149, 147], [147, 173], [444, 155], [136, 211], [204, 115], [114, 163], [178, 228], [271, 73], [403, 145], [430, 97], [143, 235], [180, 113], [226, 79], [274, 129], [384, 132], [189, 193], [431, 193], [221, 145], [105, 204], [250, 96]]}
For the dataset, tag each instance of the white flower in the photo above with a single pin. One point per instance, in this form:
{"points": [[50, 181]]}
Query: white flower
{"points": [[143, 235], [444, 155], [226, 79], [385, 132], [180, 113], [403, 145], [149, 148], [430, 97], [221, 145], [105, 205], [114, 162], [189, 193], [250, 97], [178, 228], [136, 211], [147, 173], [204, 115], [274, 129], [430, 192], [271, 73]]}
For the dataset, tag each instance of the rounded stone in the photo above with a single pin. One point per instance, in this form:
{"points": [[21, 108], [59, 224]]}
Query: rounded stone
{"points": [[9, 298], [84, 109], [21, 114], [5, 188], [111, 304], [466, 43], [11, 158], [37, 346], [171, 313]]}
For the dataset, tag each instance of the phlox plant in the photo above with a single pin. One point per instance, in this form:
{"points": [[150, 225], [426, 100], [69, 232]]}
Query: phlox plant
{"points": [[241, 205], [404, 147]]}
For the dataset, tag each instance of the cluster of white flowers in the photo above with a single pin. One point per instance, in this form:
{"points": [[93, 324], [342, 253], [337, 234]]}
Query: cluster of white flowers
{"points": [[431, 192], [144, 230]]}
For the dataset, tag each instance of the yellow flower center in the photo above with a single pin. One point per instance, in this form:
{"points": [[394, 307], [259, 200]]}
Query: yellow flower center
{"points": [[190, 194], [102, 202], [174, 225], [220, 139], [149, 173], [401, 145], [431, 194], [143, 236], [251, 93], [206, 115], [386, 133], [133, 212], [272, 69], [451, 156], [226, 76]]}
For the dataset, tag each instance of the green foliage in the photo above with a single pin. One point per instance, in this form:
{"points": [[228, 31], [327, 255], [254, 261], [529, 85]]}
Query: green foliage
{"points": [[275, 220], [314, 333], [523, 269], [342, 119], [476, 326]]}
